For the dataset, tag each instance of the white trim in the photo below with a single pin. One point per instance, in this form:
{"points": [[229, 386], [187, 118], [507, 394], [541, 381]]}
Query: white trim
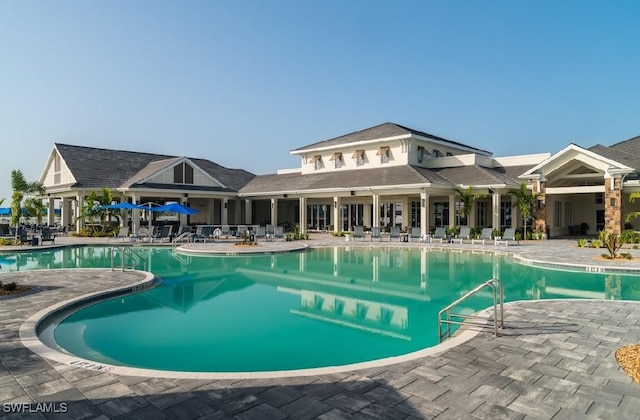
{"points": [[176, 163], [574, 190]]}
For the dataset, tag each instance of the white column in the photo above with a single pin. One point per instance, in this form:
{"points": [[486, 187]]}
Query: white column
{"points": [[274, 211], [183, 217], [405, 212], [424, 214], [65, 210], [224, 217], [366, 215], [452, 210], [303, 214], [337, 220], [248, 215], [376, 210], [51, 213], [495, 210], [135, 215], [79, 205]]}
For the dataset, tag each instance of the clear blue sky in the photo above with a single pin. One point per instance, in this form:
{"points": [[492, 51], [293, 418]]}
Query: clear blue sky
{"points": [[244, 82]]}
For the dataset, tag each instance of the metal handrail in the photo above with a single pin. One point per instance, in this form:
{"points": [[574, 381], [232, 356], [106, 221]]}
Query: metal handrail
{"points": [[127, 251], [180, 237], [498, 298]]}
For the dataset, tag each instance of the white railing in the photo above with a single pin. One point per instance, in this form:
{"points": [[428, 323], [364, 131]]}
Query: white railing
{"points": [[127, 254]]}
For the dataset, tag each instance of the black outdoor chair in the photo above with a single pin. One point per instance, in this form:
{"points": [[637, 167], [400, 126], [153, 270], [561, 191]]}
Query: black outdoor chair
{"points": [[47, 236]]}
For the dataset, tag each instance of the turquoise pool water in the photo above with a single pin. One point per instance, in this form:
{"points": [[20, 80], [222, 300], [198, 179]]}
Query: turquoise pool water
{"points": [[324, 307]]}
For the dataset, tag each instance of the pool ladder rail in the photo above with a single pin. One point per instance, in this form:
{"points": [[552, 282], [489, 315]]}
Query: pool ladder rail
{"points": [[127, 254], [445, 315], [182, 238]]}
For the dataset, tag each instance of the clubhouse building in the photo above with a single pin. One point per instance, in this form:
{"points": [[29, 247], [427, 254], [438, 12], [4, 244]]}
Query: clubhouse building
{"points": [[387, 175]]}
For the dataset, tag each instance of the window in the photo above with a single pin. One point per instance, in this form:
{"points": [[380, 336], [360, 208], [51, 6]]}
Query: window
{"points": [[558, 214], [415, 213], [183, 174], [422, 154], [481, 213], [316, 161], [568, 213], [505, 214], [441, 213], [599, 198], [383, 152], [437, 153], [460, 219], [449, 154], [358, 155], [337, 160]]}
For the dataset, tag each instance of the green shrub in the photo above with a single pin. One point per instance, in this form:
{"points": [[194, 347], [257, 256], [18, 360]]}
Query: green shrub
{"points": [[626, 256], [518, 236], [582, 242], [629, 236], [495, 232], [596, 243], [10, 287]]}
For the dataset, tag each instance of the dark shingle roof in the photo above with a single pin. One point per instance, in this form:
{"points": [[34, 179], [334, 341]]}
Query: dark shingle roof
{"points": [[356, 178], [105, 168], [631, 146], [619, 155], [378, 132], [480, 175]]}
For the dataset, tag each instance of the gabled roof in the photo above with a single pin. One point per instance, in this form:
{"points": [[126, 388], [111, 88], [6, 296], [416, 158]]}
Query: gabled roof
{"points": [[105, 168], [355, 178], [631, 146], [618, 155], [380, 132]]}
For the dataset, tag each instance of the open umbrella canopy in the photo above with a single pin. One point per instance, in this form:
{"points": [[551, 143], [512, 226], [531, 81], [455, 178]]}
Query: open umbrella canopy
{"points": [[126, 206], [175, 208]]}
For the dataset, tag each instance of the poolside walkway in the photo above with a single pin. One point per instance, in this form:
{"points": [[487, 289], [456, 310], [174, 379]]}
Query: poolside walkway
{"points": [[553, 360]]}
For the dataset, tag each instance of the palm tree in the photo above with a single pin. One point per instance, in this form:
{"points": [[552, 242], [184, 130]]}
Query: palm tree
{"points": [[21, 188], [35, 208], [524, 202], [93, 208], [467, 198]]}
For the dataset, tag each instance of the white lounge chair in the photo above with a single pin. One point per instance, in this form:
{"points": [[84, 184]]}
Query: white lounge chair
{"points": [[394, 233], [484, 236], [415, 234], [358, 232], [509, 235], [439, 235], [375, 233], [465, 232]]}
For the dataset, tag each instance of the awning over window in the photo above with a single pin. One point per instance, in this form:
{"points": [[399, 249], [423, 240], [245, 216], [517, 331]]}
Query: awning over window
{"points": [[358, 154], [316, 158], [336, 156], [383, 151]]}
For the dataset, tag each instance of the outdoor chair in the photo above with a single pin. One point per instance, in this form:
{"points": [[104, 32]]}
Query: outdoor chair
{"points": [[415, 234], [509, 235], [358, 232], [484, 236], [260, 232], [143, 234], [123, 233], [278, 232], [163, 233], [465, 233], [439, 235], [24, 237], [375, 233], [394, 233], [225, 230], [241, 230], [203, 233], [47, 236]]}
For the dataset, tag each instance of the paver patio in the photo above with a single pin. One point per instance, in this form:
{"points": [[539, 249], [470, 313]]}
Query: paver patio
{"points": [[553, 360]]}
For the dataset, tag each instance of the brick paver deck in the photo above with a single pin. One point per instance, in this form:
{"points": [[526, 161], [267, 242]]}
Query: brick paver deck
{"points": [[554, 360]]}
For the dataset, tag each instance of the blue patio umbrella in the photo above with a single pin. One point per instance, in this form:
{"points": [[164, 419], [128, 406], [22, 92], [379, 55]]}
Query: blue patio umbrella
{"points": [[123, 206], [175, 208]]}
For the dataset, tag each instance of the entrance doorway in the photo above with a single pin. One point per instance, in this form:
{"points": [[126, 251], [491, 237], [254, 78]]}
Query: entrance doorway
{"points": [[599, 220]]}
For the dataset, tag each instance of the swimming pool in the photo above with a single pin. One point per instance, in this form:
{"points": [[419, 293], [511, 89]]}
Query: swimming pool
{"points": [[323, 307]]}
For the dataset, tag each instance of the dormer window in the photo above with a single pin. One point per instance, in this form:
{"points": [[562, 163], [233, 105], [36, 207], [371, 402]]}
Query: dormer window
{"points": [[316, 161], [383, 152], [337, 160], [183, 174], [449, 154], [422, 154], [359, 157], [437, 153]]}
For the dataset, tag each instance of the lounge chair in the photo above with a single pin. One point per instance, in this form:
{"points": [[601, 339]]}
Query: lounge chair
{"points": [[123, 233], [143, 234], [484, 236], [394, 233], [184, 234], [358, 232], [225, 230], [163, 233], [509, 235], [415, 234], [260, 232], [465, 232], [375, 233], [46, 236], [24, 237], [241, 230], [278, 232], [439, 235], [203, 233]]}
